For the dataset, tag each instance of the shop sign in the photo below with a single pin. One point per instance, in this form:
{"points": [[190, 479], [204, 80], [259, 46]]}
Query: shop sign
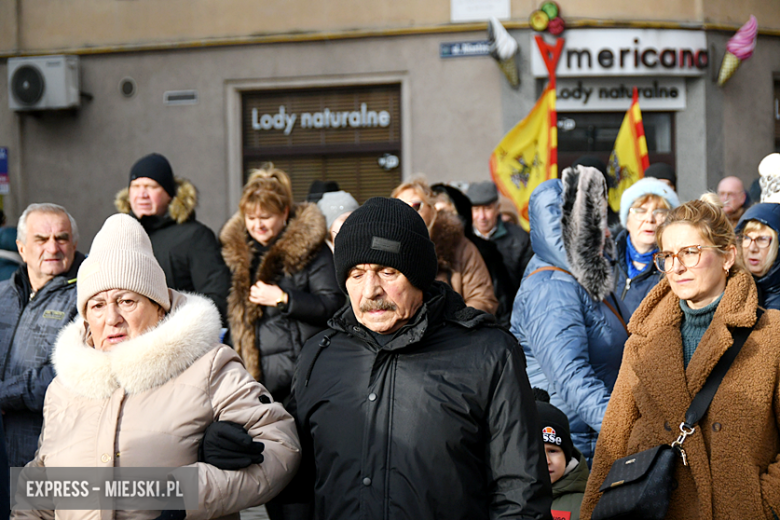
{"points": [[4, 184], [628, 52], [464, 49], [284, 121], [614, 94]]}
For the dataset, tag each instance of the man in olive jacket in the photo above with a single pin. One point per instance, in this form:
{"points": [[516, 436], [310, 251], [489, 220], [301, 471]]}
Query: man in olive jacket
{"points": [[412, 405]]}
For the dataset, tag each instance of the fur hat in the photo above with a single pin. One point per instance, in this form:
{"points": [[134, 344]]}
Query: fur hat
{"points": [[482, 193], [156, 167], [642, 187], [333, 204], [121, 257], [769, 169], [387, 232]]}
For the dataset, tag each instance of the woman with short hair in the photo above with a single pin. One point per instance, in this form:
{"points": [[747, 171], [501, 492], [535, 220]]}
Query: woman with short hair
{"points": [[679, 333], [758, 235], [140, 377]]}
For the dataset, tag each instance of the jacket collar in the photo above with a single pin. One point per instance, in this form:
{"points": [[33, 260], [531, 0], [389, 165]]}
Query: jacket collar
{"points": [[189, 330], [21, 280], [180, 209]]}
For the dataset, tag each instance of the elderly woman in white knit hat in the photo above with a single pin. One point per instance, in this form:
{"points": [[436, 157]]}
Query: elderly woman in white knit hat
{"points": [[643, 206], [140, 377]]}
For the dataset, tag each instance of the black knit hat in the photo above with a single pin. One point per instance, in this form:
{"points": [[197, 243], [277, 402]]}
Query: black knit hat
{"points": [[662, 171], [555, 428], [386, 232], [156, 167]]}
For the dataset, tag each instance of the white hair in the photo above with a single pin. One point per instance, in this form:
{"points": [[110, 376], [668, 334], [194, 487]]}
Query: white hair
{"points": [[46, 207]]}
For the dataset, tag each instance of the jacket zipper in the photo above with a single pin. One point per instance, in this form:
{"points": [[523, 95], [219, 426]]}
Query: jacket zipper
{"points": [[626, 288]]}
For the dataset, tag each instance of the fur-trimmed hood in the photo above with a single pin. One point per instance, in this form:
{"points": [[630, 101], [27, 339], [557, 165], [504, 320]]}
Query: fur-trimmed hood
{"points": [[568, 220], [190, 330], [300, 241], [446, 233], [181, 208]]}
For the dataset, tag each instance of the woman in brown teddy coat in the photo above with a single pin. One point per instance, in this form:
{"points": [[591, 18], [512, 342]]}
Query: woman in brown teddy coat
{"points": [[678, 334]]}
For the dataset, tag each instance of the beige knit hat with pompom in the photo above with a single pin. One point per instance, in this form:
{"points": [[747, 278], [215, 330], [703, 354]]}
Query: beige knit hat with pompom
{"points": [[121, 257]]}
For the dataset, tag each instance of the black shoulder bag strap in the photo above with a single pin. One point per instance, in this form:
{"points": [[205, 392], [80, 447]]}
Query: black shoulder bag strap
{"points": [[701, 402]]}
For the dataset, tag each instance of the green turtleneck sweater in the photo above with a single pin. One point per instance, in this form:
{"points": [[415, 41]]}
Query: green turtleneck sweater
{"points": [[694, 324]]}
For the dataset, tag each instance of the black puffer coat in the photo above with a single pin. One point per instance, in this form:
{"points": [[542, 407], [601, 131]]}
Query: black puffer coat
{"points": [[267, 339], [440, 423]]}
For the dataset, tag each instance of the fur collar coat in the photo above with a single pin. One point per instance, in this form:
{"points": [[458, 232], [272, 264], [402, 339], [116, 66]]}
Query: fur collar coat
{"points": [[733, 469], [300, 264], [460, 263], [181, 207]]}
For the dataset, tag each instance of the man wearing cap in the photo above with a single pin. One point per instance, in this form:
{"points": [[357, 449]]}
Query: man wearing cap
{"points": [[35, 303], [187, 250], [412, 405], [512, 241]]}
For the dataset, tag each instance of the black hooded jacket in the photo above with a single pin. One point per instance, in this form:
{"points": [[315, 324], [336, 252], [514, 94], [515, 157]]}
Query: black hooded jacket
{"points": [[439, 423]]}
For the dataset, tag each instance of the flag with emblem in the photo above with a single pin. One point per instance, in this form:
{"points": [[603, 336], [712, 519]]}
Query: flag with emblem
{"points": [[628, 161], [528, 154]]}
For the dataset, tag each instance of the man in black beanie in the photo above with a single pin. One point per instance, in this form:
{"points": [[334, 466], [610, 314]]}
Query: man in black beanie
{"points": [[187, 250], [412, 405]]}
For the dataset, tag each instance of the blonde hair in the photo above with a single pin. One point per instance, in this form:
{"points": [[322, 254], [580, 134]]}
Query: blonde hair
{"points": [[660, 202], [754, 226], [269, 188], [419, 185], [712, 198], [711, 223]]}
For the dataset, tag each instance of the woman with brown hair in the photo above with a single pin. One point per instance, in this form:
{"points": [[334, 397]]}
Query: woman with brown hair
{"points": [[284, 286], [460, 264], [679, 333]]}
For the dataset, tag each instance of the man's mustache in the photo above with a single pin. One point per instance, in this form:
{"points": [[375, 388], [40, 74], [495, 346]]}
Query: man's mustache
{"points": [[377, 305]]}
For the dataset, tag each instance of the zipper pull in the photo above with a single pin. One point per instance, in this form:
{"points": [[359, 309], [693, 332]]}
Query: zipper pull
{"points": [[628, 283]]}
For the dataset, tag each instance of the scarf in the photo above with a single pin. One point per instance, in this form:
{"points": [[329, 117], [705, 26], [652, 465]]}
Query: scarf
{"points": [[632, 255]]}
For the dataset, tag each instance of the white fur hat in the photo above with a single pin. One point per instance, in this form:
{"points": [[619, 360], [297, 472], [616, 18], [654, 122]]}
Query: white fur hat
{"points": [[642, 187], [769, 169], [121, 257]]}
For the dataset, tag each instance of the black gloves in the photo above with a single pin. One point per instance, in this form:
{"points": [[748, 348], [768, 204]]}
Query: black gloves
{"points": [[227, 445]]}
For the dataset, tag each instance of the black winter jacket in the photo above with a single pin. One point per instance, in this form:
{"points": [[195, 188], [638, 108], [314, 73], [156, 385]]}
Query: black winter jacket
{"points": [[440, 423], [632, 290], [514, 243], [28, 331], [268, 339], [187, 250]]}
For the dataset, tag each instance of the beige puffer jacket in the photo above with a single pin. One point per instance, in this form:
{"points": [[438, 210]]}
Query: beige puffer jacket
{"points": [[147, 402]]}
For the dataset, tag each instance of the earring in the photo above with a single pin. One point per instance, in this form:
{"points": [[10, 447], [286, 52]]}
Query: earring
{"points": [[727, 270]]}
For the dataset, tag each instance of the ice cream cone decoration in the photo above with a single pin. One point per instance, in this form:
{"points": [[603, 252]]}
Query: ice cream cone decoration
{"points": [[739, 48], [504, 48]]}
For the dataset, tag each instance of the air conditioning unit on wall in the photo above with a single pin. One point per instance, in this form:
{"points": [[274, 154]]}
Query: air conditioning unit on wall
{"points": [[43, 83]]}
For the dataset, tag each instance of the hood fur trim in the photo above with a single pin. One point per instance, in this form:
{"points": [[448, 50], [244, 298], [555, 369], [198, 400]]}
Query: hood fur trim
{"points": [[300, 241], [446, 234], [181, 208], [583, 223], [190, 330]]}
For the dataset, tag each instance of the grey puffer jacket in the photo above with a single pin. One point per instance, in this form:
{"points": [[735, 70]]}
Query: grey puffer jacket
{"points": [[28, 331], [438, 423]]}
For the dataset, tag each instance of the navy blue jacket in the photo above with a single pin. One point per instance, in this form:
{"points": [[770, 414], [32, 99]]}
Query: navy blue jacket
{"points": [[632, 290], [573, 344], [768, 214], [28, 331]]}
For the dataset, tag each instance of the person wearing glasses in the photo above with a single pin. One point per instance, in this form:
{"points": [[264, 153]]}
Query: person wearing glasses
{"points": [[758, 230], [460, 264], [679, 333], [643, 206]]}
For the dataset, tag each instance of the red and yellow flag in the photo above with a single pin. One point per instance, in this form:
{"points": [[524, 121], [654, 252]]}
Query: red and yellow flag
{"points": [[628, 161], [528, 154]]}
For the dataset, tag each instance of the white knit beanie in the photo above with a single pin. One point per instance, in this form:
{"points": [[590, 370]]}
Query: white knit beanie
{"points": [[642, 187], [121, 257], [769, 169]]}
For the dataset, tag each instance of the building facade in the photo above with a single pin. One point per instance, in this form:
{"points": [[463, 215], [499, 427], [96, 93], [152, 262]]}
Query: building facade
{"points": [[368, 93]]}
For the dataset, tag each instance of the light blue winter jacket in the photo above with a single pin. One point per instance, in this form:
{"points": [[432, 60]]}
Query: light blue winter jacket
{"points": [[573, 343]]}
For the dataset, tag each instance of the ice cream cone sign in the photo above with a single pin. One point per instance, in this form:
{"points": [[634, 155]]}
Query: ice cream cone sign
{"points": [[739, 48], [504, 48]]}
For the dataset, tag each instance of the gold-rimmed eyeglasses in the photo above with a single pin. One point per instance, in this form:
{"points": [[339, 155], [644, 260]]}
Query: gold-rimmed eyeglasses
{"points": [[688, 256], [762, 241]]}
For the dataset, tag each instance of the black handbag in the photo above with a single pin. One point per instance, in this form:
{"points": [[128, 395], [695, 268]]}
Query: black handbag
{"points": [[639, 487]]}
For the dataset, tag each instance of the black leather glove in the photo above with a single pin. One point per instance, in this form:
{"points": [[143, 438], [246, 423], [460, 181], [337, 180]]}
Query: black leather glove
{"points": [[172, 515], [227, 445]]}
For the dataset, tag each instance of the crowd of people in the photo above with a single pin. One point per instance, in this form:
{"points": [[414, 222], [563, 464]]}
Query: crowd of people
{"points": [[417, 356]]}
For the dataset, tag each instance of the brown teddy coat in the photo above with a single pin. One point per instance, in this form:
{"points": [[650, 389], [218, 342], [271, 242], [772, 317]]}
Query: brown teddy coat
{"points": [[734, 468]]}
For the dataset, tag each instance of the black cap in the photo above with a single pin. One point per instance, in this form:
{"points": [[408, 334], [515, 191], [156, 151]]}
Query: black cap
{"points": [[156, 167], [318, 188], [386, 232], [662, 171]]}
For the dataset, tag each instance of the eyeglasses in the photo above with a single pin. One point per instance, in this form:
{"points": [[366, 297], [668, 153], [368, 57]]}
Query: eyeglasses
{"points": [[641, 213], [762, 241], [688, 257]]}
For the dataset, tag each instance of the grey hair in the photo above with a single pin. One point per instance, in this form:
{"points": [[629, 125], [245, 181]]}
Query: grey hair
{"points": [[46, 207]]}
